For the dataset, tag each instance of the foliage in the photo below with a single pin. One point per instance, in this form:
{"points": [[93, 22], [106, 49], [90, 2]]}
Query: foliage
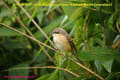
{"points": [[95, 31]]}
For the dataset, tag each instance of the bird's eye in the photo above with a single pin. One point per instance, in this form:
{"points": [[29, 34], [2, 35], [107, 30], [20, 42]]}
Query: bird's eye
{"points": [[56, 32]]}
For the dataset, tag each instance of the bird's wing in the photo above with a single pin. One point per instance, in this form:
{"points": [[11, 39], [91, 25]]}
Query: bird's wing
{"points": [[72, 45], [74, 50]]}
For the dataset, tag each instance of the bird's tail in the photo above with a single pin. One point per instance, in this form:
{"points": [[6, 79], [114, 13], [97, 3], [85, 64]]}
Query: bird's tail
{"points": [[74, 52]]}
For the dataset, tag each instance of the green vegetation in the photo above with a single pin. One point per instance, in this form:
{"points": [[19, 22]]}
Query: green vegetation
{"points": [[95, 31]]}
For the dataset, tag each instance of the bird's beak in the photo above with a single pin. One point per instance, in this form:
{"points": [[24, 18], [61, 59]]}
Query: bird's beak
{"points": [[51, 33]]}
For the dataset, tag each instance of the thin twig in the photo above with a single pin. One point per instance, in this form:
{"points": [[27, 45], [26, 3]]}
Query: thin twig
{"points": [[117, 43], [118, 28], [19, 20], [34, 22], [87, 69], [74, 74]]}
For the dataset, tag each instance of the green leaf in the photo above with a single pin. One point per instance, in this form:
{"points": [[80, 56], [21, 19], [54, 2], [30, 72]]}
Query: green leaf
{"points": [[44, 77], [38, 53], [18, 42], [40, 17], [54, 75], [113, 76], [112, 19], [5, 13], [98, 53], [73, 12], [52, 2], [101, 55], [119, 20], [107, 65], [68, 10], [19, 72], [78, 12], [9, 33], [98, 65], [33, 14]]}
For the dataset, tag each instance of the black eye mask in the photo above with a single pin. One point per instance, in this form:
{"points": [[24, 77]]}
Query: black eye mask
{"points": [[56, 32]]}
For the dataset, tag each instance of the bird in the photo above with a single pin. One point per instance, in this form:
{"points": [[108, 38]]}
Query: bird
{"points": [[64, 42]]}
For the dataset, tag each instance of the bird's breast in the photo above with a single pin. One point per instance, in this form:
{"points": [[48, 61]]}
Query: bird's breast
{"points": [[61, 42]]}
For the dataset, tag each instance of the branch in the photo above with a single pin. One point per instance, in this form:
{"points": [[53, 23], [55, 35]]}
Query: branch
{"points": [[87, 69], [118, 28], [74, 74]]}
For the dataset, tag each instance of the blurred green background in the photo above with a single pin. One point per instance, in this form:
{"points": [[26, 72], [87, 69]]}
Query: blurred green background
{"points": [[95, 31]]}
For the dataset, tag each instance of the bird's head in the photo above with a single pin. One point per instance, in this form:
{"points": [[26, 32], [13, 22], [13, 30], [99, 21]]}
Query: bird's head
{"points": [[58, 31]]}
